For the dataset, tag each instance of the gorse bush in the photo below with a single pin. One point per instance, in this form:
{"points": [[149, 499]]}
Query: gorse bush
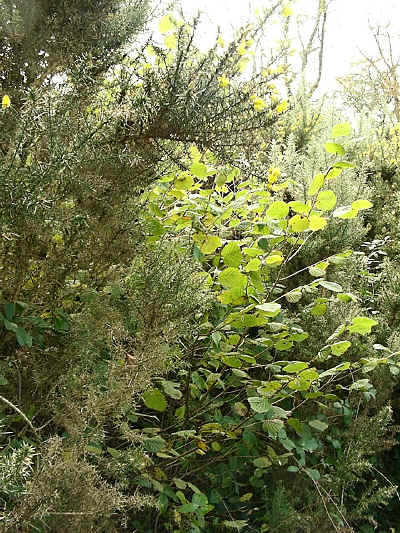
{"points": [[195, 336]]}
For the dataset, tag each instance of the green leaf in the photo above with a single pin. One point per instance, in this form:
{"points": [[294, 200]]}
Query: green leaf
{"points": [[199, 170], [10, 326], [185, 433], [278, 210], [179, 483], [361, 384], [232, 278], [94, 449], [187, 508], [316, 184], [259, 405], [180, 412], [155, 399], [232, 361], [114, 453], [339, 348], [334, 148], [294, 368], [171, 389], [319, 309], [262, 462], [313, 474], [316, 272], [331, 286], [346, 297], [9, 310], [231, 254], [235, 524], [283, 345], [273, 427], [295, 424], [154, 444], [23, 337], [326, 200], [171, 41], [341, 130], [362, 325], [318, 425], [211, 243], [271, 309], [293, 296], [361, 204]]}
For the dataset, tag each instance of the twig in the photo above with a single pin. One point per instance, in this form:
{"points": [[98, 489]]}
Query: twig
{"points": [[18, 410]]}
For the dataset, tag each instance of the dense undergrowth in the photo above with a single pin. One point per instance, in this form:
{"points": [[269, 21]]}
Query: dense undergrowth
{"points": [[200, 319]]}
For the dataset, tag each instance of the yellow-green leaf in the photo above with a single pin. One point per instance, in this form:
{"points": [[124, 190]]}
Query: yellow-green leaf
{"points": [[165, 25], [184, 182], [298, 223], [334, 173], [334, 148], [326, 200], [341, 130], [299, 207], [171, 41], [278, 210], [253, 265], [362, 325], [316, 184], [361, 204], [294, 368], [346, 211], [232, 278], [231, 254], [339, 348], [317, 222], [211, 243], [271, 309], [274, 259], [199, 170]]}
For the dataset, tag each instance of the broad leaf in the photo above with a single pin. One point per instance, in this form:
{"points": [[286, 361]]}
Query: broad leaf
{"points": [[155, 399]]}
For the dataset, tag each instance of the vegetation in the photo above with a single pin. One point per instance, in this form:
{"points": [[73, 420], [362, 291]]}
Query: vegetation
{"points": [[199, 311]]}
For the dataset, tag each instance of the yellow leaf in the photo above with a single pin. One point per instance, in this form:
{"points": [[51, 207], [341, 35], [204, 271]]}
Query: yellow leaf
{"points": [[221, 42], [280, 108], [287, 10], [58, 238], [241, 49], [6, 102], [258, 103], [317, 222], [165, 25], [150, 50], [223, 81], [171, 41]]}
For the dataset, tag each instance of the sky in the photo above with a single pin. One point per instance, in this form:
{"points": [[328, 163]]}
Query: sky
{"points": [[347, 29]]}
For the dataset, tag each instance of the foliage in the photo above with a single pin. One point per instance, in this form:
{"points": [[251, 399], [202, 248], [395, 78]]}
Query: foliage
{"points": [[197, 335]]}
